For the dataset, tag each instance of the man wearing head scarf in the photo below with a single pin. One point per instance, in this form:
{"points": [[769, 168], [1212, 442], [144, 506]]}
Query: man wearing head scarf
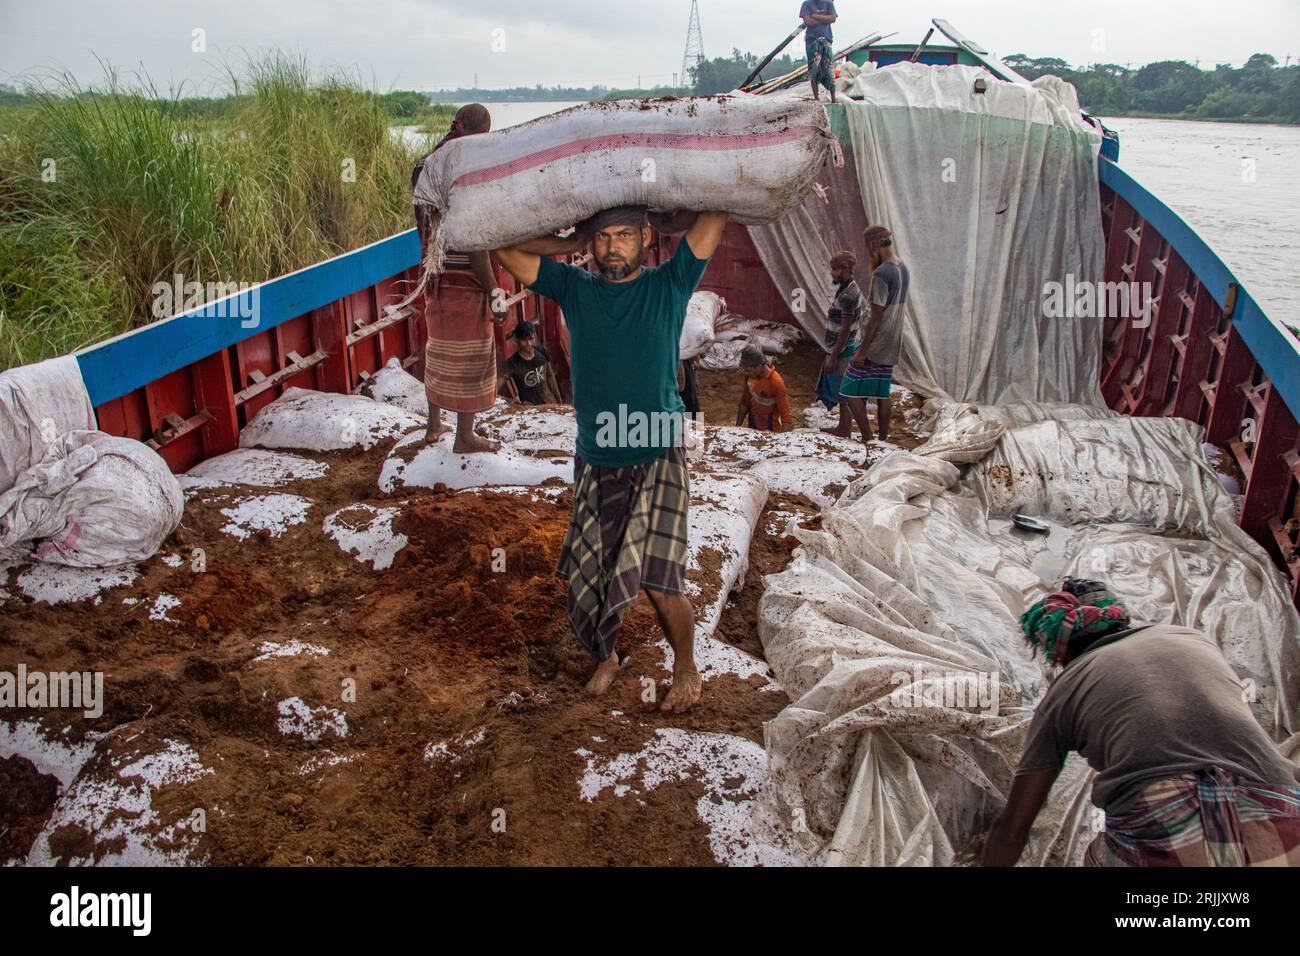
{"points": [[460, 366], [870, 372], [631, 492], [1185, 773]]}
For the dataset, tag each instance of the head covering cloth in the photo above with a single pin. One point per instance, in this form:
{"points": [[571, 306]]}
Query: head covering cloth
{"points": [[1080, 609], [634, 216]]}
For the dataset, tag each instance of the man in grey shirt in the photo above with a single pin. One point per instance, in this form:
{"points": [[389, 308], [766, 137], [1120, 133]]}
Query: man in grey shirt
{"points": [[1162, 718], [870, 373]]}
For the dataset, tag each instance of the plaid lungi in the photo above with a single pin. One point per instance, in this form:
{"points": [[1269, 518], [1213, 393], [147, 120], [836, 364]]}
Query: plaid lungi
{"points": [[820, 56], [628, 532], [1209, 818], [868, 381]]}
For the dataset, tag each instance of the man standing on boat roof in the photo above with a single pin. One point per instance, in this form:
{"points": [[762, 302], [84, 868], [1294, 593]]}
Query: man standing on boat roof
{"points": [[460, 363], [631, 492], [817, 16]]}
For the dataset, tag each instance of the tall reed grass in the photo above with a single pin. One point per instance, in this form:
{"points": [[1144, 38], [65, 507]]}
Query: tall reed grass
{"points": [[293, 169]]}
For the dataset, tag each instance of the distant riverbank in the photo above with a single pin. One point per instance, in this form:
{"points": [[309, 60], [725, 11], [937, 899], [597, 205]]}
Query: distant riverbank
{"points": [[1191, 118]]}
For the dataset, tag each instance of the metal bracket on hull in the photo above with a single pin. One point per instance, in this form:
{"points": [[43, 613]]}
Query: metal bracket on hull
{"points": [[175, 427], [263, 382]]}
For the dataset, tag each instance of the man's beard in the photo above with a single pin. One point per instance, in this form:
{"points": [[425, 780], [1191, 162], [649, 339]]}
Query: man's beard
{"points": [[618, 269]]}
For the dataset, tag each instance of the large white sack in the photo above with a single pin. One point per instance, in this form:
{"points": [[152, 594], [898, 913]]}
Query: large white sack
{"points": [[698, 330], [734, 332], [394, 385], [754, 157], [94, 500], [327, 421], [38, 403]]}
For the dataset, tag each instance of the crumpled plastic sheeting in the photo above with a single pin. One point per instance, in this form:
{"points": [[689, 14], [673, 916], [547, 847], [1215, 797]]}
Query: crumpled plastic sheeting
{"points": [[895, 628], [93, 501], [38, 403]]}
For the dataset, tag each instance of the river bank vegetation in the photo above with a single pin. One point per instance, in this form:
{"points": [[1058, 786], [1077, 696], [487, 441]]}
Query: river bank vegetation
{"points": [[105, 192]]}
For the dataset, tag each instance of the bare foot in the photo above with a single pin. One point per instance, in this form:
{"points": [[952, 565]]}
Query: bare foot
{"points": [[684, 694], [436, 431], [606, 673], [475, 443], [838, 432]]}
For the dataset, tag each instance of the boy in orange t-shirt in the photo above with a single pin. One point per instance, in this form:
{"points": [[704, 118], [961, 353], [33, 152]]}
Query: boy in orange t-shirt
{"points": [[763, 403]]}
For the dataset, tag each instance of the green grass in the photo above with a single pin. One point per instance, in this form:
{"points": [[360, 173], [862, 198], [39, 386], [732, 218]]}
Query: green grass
{"points": [[287, 171]]}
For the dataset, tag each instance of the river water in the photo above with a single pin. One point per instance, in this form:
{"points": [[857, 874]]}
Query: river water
{"points": [[1235, 184]]}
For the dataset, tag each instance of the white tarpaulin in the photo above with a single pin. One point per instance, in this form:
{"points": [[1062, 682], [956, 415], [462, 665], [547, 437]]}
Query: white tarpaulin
{"points": [[990, 196], [895, 628]]}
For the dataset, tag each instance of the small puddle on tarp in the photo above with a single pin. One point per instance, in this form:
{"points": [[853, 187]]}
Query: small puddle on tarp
{"points": [[1047, 551]]}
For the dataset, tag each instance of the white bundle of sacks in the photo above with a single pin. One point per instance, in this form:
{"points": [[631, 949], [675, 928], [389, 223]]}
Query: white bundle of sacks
{"points": [[70, 494], [754, 157], [699, 328]]}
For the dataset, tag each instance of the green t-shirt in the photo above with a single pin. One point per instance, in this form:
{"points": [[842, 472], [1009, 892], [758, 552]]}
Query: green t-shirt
{"points": [[624, 349]]}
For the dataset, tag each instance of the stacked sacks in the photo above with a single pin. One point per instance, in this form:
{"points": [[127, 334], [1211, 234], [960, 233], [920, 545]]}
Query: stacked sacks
{"points": [[70, 494]]}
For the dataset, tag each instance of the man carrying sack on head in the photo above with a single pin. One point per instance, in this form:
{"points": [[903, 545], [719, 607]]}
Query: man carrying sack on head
{"points": [[631, 493], [460, 361]]}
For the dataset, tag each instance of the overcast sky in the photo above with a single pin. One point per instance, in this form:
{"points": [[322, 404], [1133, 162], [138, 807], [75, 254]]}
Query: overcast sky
{"points": [[434, 44]]}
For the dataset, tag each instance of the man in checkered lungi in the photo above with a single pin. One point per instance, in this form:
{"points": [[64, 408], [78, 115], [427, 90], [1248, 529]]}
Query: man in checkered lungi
{"points": [[631, 492], [870, 372]]}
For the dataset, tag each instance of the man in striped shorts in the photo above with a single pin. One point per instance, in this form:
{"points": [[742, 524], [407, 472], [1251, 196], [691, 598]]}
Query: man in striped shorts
{"points": [[871, 370], [631, 490]]}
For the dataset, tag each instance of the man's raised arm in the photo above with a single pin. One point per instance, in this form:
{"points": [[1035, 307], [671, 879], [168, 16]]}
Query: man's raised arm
{"points": [[523, 260], [705, 234]]}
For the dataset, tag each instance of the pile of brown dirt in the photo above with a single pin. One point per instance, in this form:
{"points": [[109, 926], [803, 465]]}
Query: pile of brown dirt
{"points": [[468, 706], [456, 676]]}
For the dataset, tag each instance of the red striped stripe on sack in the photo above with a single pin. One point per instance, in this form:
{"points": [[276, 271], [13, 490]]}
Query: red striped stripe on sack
{"points": [[634, 141]]}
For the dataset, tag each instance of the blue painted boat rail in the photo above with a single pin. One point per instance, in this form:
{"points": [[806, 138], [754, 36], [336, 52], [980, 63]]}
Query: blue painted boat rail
{"points": [[132, 360]]}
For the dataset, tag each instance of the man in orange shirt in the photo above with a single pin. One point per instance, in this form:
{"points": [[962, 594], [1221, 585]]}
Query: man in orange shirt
{"points": [[763, 404]]}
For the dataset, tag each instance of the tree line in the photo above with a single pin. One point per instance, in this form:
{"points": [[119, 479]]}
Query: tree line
{"points": [[1260, 90]]}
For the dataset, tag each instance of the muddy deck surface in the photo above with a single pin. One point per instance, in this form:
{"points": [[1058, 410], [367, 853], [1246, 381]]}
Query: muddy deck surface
{"points": [[428, 713]]}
